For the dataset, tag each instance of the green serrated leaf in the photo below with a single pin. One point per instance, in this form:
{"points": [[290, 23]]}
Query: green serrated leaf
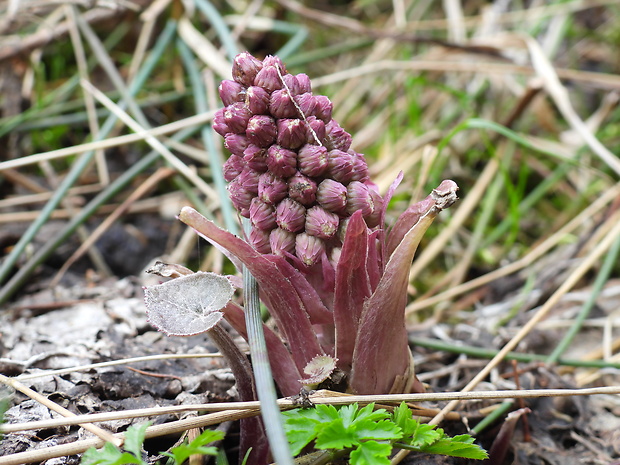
{"points": [[336, 436], [424, 435], [371, 453], [134, 438], [403, 417], [302, 425], [181, 453], [381, 430], [448, 446], [109, 454], [367, 413]]}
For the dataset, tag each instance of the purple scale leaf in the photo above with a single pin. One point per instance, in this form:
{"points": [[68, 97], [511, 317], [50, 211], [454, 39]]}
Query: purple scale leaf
{"points": [[281, 298], [352, 289], [382, 356]]}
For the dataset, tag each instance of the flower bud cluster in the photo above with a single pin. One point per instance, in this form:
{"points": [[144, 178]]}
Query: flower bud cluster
{"points": [[292, 171]]}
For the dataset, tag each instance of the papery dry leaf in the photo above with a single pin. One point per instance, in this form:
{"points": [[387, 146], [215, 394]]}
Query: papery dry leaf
{"points": [[189, 304]]}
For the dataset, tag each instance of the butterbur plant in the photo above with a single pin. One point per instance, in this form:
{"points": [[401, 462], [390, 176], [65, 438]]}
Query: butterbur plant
{"points": [[332, 276]]}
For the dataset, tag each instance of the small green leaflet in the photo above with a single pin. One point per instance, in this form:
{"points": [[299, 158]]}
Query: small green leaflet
{"points": [[109, 454], [369, 435]]}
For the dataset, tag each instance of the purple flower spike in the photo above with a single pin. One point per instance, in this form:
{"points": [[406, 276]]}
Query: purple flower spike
{"points": [[306, 103], [315, 130], [249, 180], [256, 158], [231, 92], [281, 241], [236, 143], [341, 165], [360, 167], [321, 223], [309, 249], [240, 197], [336, 137], [271, 188], [236, 117], [261, 130], [281, 162], [318, 244], [291, 133], [290, 215], [358, 198], [273, 60], [219, 123], [302, 189], [257, 100], [304, 83], [268, 78], [323, 109], [332, 196], [291, 83], [281, 104], [233, 167], [245, 67], [262, 215], [374, 219], [312, 160], [260, 240]]}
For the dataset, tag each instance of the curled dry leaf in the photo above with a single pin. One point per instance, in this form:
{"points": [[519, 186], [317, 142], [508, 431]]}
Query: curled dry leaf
{"points": [[189, 304], [318, 369]]}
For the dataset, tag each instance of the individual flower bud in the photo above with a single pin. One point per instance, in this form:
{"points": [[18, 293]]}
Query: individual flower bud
{"points": [[374, 218], [274, 60], [290, 215], [236, 143], [291, 133], [340, 165], [233, 167], [219, 123], [249, 180], [309, 249], [259, 240], [312, 160], [315, 131], [306, 103], [236, 117], [281, 241], [262, 215], [360, 167], [257, 100], [359, 198], [245, 67], [332, 196], [231, 92], [321, 223], [323, 108], [304, 83], [334, 256], [271, 188], [291, 83], [281, 104], [255, 158], [336, 137], [240, 197], [281, 162], [302, 189], [342, 229], [261, 130], [268, 78]]}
